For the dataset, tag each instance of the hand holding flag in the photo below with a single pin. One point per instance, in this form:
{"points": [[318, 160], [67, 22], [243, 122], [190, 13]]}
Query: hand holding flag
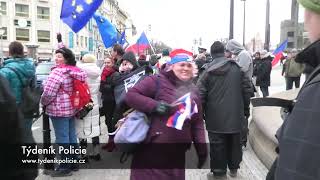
{"points": [[186, 108]]}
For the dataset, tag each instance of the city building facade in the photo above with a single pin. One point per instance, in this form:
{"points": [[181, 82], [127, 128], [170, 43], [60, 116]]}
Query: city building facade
{"points": [[36, 23], [288, 30]]}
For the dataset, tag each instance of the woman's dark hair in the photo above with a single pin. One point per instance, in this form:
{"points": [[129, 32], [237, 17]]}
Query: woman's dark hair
{"points": [[118, 48], [16, 49], [68, 56]]}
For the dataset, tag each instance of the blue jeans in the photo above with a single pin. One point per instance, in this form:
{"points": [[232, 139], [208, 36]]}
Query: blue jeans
{"points": [[65, 131]]}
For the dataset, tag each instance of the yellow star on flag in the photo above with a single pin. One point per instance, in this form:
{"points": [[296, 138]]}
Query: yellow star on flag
{"points": [[89, 1], [79, 9]]}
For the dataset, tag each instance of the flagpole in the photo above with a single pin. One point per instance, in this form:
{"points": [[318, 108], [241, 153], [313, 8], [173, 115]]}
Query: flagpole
{"points": [[138, 48], [151, 46]]}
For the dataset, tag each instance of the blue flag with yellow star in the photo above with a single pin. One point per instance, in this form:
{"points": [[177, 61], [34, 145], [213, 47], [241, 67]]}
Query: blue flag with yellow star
{"points": [[76, 13], [107, 30]]}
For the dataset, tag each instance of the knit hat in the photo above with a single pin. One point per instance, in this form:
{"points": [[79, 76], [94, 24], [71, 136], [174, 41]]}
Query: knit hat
{"points": [[313, 5], [142, 57], [129, 56], [68, 55], [89, 58], [294, 50], [180, 55], [165, 52]]}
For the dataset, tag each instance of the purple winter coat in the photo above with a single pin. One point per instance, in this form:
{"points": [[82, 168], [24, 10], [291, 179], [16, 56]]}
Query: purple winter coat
{"points": [[164, 148]]}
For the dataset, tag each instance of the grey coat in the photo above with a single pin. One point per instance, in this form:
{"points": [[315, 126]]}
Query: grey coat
{"points": [[225, 94], [243, 57]]}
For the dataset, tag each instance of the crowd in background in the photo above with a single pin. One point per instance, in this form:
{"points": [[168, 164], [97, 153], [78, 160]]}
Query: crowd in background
{"points": [[219, 84]]}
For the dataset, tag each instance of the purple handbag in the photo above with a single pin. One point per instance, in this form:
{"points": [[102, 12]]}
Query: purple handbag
{"points": [[132, 132]]}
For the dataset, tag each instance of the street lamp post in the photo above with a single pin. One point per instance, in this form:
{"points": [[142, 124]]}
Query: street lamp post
{"points": [[231, 19], [244, 23], [267, 30]]}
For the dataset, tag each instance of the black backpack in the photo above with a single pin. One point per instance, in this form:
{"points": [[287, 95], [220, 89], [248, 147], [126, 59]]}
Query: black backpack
{"points": [[30, 96]]}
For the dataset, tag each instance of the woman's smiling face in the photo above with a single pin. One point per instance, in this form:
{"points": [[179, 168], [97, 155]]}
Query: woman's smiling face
{"points": [[183, 70]]}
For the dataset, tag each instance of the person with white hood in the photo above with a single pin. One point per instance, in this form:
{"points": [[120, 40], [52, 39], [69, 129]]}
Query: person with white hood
{"points": [[90, 126], [242, 56], [244, 59]]}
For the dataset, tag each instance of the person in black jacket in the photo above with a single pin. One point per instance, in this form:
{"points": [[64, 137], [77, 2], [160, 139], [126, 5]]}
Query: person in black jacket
{"points": [[225, 92], [299, 140], [12, 140], [108, 100], [121, 81], [262, 71], [142, 62]]}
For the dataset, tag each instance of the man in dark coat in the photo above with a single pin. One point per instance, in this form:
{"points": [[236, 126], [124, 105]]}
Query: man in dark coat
{"points": [[225, 92], [262, 71], [117, 53], [299, 141]]}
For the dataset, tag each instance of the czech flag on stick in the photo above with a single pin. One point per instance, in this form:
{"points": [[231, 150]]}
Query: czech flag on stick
{"points": [[186, 108], [278, 53], [141, 44]]}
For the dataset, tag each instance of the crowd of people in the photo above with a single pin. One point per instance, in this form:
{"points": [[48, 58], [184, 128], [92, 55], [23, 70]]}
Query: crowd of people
{"points": [[219, 85]]}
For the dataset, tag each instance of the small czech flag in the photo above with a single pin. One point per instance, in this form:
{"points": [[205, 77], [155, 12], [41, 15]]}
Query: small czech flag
{"points": [[186, 108]]}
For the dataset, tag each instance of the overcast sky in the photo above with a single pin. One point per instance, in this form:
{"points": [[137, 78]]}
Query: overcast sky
{"points": [[178, 22]]}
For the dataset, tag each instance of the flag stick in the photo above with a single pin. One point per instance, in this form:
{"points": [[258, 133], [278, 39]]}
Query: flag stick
{"points": [[151, 46]]}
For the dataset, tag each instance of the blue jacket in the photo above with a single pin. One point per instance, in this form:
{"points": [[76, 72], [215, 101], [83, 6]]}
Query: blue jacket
{"points": [[26, 69]]}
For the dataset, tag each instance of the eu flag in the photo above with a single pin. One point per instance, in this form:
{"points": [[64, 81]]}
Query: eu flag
{"points": [[76, 13], [122, 39], [107, 30]]}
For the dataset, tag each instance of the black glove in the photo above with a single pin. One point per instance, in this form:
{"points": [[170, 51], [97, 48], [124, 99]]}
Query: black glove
{"points": [[59, 37], [201, 162], [163, 108]]}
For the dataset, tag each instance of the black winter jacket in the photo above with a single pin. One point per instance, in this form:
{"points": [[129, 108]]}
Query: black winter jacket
{"points": [[225, 92], [262, 70], [12, 136]]}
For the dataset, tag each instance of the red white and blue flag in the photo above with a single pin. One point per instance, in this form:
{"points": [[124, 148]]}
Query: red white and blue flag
{"points": [[141, 44], [278, 53], [186, 108]]}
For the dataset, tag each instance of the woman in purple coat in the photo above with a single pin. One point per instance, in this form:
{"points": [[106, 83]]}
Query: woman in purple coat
{"points": [[162, 155]]}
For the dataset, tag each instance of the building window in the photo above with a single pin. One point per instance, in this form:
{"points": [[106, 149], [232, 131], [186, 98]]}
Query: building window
{"points": [[15, 22], [5, 35], [22, 10], [86, 42], [3, 8], [290, 34], [43, 13], [22, 34], [81, 41], [43, 36], [290, 45]]}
